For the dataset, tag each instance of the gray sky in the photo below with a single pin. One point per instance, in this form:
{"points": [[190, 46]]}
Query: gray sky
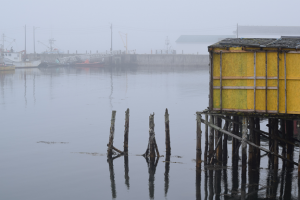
{"points": [[85, 25]]}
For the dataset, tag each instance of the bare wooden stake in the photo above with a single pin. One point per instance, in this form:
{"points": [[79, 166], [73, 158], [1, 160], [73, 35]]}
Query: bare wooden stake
{"points": [[151, 137], [112, 133], [167, 131], [198, 149], [126, 131]]}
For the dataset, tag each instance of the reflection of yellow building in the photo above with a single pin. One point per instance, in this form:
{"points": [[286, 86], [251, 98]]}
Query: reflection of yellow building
{"points": [[7, 68], [242, 68]]}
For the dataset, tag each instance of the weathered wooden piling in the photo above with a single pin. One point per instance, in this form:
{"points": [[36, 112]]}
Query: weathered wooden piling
{"points": [[257, 141], [283, 132], [198, 149], [211, 139], [244, 146], [235, 142], [167, 132], [251, 158], [151, 137], [206, 140], [275, 144], [112, 133], [271, 133], [225, 151], [219, 138], [290, 148], [126, 131]]}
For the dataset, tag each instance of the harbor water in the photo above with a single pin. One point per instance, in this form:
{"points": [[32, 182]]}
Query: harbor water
{"points": [[55, 125]]}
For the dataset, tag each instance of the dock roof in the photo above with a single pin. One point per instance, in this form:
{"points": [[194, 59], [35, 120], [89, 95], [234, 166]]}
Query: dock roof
{"points": [[283, 42]]}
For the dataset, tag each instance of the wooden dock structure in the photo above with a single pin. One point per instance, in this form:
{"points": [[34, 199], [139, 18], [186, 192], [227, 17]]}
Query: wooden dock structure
{"points": [[251, 79]]}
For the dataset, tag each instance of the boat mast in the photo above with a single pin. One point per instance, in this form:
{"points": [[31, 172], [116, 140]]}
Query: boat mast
{"points": [[25, 39]]}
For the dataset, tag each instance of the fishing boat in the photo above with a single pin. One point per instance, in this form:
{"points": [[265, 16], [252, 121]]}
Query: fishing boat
{"points": [[5, 67], [87, 63], [19, 59]]}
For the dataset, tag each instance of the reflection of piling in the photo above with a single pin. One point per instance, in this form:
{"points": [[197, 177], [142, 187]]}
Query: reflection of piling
{"points": [[167, 130], [198, 184], [151, 169], [167, 169], [218, 184], [112, 177], [126, 131], [112, 132], [126, 169], [198, 150]]}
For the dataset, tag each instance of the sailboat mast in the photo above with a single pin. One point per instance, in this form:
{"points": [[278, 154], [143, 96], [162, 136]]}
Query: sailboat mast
{"points": [[25, 39]]}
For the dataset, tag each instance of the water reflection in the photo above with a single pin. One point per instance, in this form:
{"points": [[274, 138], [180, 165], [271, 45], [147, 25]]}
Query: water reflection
{"points": [[151, 170], [167, 169]]}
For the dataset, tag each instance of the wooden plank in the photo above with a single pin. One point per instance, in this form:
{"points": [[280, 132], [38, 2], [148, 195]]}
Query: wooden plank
{"points": [[252, 78], [266, 81], [278, 82], [221, 80], [285, 82], [211, 80], [245, 77], [245, 87], [248, 142], [254, 81]]}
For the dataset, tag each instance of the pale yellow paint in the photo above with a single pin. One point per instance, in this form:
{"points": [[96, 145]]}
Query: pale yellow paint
{"points": [[241, 64]]}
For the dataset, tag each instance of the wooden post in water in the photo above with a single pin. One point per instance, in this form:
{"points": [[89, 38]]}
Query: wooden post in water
{"points": [[251, 158], [244, 146], [206, 140], [198, 150], [167, 131], [257, 139], [126, 131], [219, 135], [290, 148], [112, 133], [283, 131], [270, 142], [225, 151], [151, 138], [235, 141], [275, 144], [211, 138]]}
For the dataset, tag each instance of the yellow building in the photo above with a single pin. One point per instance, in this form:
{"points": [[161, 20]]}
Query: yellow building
{"points": [[255, 75]]}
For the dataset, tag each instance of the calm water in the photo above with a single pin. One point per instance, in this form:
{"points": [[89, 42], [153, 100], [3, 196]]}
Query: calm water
{"points": [[55, 127]]}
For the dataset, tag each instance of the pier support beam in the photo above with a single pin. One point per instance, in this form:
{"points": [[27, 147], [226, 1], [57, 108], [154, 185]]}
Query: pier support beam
{"points": [[225, 151], [275, 144], [211, 138], [206, 140], [198, 156], [290, 148], [252, 135], [218, 138], [257, 141], [244, 145]]}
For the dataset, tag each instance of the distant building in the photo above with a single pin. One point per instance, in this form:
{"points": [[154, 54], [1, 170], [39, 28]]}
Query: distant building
{"points": [[268, 30], [193, 44]]}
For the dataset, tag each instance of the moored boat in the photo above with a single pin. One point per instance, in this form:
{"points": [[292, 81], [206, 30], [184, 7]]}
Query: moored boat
{"points": [[87, 63], [19, 60], [4, 67]]}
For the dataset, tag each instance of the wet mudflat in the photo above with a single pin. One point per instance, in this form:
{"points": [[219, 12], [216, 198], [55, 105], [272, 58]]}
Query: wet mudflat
{"points": [[55, 128]]}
